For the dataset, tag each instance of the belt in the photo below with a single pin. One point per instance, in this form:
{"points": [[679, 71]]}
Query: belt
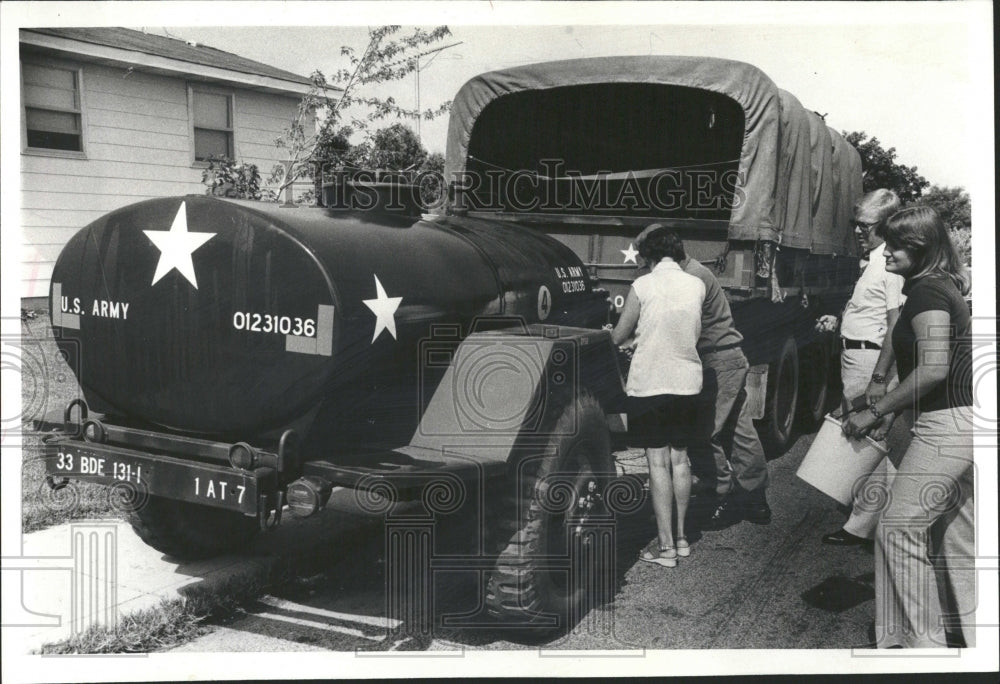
{"points": [[858, 344], [724, 347]]}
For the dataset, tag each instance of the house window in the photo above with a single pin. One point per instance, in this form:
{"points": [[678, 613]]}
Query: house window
{"points": [[52, 111], [212, 114]]}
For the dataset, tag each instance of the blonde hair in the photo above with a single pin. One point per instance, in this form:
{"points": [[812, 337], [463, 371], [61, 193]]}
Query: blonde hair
{"points": [[882, 204]]}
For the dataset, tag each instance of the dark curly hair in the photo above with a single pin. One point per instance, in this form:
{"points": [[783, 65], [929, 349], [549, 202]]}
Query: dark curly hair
{"points": [[659, 241]]}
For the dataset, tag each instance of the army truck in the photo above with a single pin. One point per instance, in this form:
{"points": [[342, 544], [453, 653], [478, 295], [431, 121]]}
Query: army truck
{"points": [[760, 189], [239, 359]]}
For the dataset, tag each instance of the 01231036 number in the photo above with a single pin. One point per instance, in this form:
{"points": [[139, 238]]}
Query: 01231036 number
{"points": [[266, 323]]}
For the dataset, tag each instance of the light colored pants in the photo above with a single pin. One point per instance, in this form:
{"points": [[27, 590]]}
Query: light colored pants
{"points": [[736, 449], [856, 368], [925, 578]]}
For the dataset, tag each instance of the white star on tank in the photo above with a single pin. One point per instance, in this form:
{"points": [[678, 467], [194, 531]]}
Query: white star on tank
{"points": [[630, 253], [176, 246], [384, 308]]}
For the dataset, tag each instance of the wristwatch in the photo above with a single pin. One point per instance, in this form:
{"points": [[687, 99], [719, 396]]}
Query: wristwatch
{"points": [[874, 411], [878, 378]]}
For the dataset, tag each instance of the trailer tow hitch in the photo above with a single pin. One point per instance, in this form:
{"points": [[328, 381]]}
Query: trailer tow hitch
{"points": [[288, 461], [270, 519]]}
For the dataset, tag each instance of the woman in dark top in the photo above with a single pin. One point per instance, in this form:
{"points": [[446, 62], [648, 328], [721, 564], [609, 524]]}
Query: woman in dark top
{"points": [[925, 551]]}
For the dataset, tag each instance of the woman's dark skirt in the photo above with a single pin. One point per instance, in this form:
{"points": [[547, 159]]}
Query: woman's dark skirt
{"points": [[661, 420]]}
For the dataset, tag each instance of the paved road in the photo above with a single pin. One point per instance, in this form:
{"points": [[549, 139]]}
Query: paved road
{"points": [[749, 586]]}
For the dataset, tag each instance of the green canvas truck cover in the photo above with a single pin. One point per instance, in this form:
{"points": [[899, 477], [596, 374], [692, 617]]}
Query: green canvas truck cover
{"points": [[788, 159], [846, 164], [794, 174], [821, 157]]}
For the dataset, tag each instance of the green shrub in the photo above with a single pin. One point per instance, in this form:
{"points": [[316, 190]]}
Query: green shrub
{"points": [[226, 178]]}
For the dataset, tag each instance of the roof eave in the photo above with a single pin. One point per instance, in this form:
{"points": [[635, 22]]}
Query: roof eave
{"points": [[164, 65]]}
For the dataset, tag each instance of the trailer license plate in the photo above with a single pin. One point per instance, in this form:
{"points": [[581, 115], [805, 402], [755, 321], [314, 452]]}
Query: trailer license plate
{"points": [[160, 475], [115, 469]]}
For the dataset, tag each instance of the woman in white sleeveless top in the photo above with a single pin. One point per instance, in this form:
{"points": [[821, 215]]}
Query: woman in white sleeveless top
{"points": [[663, 308]]}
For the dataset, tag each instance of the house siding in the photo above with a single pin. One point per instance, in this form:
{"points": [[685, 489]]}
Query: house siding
{"points": [[137, 145]]}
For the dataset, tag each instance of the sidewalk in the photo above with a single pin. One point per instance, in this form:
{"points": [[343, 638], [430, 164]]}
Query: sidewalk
{"points": [[91, 572], [94, 572]]}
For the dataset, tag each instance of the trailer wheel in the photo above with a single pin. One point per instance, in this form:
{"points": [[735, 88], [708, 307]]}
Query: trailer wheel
{"points": [[815, 382], [783, 397], [190, 531], [544, 518]]}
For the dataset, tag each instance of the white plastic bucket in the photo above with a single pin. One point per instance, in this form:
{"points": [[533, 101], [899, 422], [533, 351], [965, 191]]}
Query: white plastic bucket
{"points": [[835, 464]]}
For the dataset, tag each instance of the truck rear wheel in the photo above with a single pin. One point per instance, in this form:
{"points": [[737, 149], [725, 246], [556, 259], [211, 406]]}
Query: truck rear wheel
{"points": [[815, 381], [190, 531], [546, 511], [783, 397]]}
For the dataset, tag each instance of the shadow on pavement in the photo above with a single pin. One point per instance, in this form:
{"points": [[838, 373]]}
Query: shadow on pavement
{"points": [[838, 593], [349, 594]]}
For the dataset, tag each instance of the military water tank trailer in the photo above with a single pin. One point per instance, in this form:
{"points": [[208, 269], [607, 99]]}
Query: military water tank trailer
{"points": [[238, 358]]}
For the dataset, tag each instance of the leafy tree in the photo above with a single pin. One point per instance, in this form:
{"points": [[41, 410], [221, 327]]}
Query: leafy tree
{"points": [[336, 145], [962, 239], [334, 151], [300, 138], [385, 59], [396, 148], [882, 171], [431, 181], [434, 163], [955, 208], [225, 177], [952, 204]]}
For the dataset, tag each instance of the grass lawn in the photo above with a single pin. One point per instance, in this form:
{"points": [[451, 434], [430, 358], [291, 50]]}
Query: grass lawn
{"points": [[47, 386], [171, 623]]}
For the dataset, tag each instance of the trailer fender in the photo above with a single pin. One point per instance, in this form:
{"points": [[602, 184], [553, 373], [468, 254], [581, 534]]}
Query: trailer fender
{"points": [[500, 389]]}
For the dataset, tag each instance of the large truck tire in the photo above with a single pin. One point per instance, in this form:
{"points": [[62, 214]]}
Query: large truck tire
{"points": [[782, 398], [529, 586], [189, 531], [815, 382]]}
